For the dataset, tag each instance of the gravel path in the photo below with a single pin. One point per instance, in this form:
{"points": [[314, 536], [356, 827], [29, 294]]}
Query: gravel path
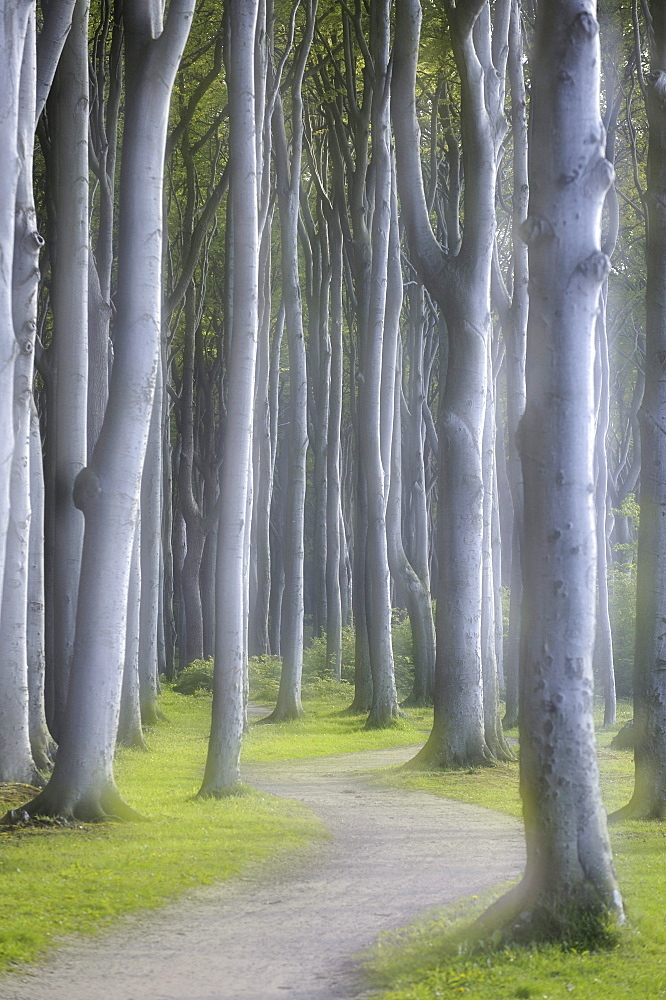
{"points": [[292, 933]]}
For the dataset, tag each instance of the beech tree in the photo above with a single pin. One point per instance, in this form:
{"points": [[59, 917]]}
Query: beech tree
{"points": [[569, 875], [222, 763], [459, 281], [649, 796], [108, 489]]}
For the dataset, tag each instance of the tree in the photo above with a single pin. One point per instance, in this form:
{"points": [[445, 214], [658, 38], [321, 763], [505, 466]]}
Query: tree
{"points": [[569, 889], [222, 763], [459, 281], [649, 796], [108, 489]]}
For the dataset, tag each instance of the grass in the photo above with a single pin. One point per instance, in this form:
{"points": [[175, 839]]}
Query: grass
{"points": [[61, 880], [325, 729], [56, 881], [425, 961]]}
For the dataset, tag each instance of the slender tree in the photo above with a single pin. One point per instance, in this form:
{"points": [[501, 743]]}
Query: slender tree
{"points": [[222, 763]]}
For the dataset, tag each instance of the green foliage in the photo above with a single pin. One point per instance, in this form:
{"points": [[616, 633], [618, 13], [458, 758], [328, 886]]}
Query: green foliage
{"points": [[197, 677], [264, 677], [314, 656]]}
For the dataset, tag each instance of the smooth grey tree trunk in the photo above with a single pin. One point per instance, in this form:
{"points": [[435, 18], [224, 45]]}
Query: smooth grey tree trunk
{"points": [[333, 492], [380, 334], [222, 764], [569, 890], [130, 732], [16, 761], [460, 285], [41, 742], [15, 34], [150, 558], [69, 110], [288, 176], [108, 490]]}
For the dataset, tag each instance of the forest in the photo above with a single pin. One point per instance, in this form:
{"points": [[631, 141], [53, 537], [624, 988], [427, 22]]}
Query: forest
{"points": [[338, 325]]}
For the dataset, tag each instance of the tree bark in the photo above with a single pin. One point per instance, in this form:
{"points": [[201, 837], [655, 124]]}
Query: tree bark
{"points": [[222, 764], [16, 761], [288, 168], [569, 890], [68, 106], [108, 490], [461, 287]]}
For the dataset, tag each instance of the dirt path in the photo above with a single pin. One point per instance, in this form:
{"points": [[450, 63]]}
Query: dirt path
{"points": [[292, 935]]}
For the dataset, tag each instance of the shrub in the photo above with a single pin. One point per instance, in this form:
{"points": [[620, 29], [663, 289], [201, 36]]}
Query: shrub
{"points": [[197, 676], [264, 677]]}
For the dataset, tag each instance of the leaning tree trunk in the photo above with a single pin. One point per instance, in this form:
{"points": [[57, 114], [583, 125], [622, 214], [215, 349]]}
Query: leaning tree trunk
{"points": [[649, 797], [222, 764], [108, 490], [569, 890]]}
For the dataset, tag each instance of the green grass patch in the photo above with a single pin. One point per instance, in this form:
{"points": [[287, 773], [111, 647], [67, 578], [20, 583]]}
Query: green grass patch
{"points": [[326, 729], [427, 959], [62, 880]]}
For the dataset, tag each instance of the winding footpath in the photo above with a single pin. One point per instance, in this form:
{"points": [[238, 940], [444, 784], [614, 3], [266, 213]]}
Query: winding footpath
{"points": [[292, 933]]}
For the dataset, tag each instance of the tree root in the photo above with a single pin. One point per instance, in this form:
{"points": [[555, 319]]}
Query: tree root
{"points": [[436, 758], [104, 806], [526, 915], [639, 807], [236, 791]]}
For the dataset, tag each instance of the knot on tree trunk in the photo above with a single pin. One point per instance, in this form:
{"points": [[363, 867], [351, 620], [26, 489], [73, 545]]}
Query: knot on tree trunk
{"points": [[657, 80], [535, 227], [87, 488], [585, 27], [596, 267]]}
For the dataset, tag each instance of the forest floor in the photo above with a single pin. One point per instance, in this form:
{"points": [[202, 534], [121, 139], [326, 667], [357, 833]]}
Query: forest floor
{"points": [[294, 929]]}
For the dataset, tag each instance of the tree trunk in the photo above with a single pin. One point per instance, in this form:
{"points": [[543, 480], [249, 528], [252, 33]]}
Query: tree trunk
{"points": [[42, 744], [288, 168], [69, 110], [333, 500], [108, 491], [16, 35], [461, 287], [383, 315], [569, 891], [130, 733], [222, 764], [16, 761]]}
